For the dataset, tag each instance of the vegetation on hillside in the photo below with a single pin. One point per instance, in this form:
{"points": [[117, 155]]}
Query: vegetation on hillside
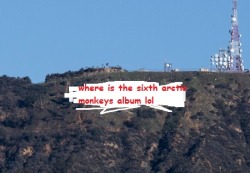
{"points": [[40, 131]]}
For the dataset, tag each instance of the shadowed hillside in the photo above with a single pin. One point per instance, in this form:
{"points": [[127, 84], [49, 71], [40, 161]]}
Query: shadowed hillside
{"points": [[40, 131]]}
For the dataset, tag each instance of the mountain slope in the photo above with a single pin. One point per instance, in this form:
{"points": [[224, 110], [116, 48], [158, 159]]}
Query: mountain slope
{"points": [[40, 131]]}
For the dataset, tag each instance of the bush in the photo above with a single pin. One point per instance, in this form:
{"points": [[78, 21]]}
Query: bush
{"points": [[222, 86], [188, 79], [143, 113], [191, 91]]}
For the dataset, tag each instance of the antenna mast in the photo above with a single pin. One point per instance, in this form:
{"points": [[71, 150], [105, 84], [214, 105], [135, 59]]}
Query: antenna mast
{"points": [[235, 45], [230, 60]]}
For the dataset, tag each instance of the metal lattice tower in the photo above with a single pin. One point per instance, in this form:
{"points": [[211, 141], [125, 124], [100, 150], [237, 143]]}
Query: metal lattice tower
{"points": [[230, 59], [235, 45]]}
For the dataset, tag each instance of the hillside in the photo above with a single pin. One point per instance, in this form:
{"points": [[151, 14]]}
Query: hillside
{"points": [[40, 131]]}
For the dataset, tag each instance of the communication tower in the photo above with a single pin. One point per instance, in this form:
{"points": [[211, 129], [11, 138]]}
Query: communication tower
{"points": [[231, 59]]}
